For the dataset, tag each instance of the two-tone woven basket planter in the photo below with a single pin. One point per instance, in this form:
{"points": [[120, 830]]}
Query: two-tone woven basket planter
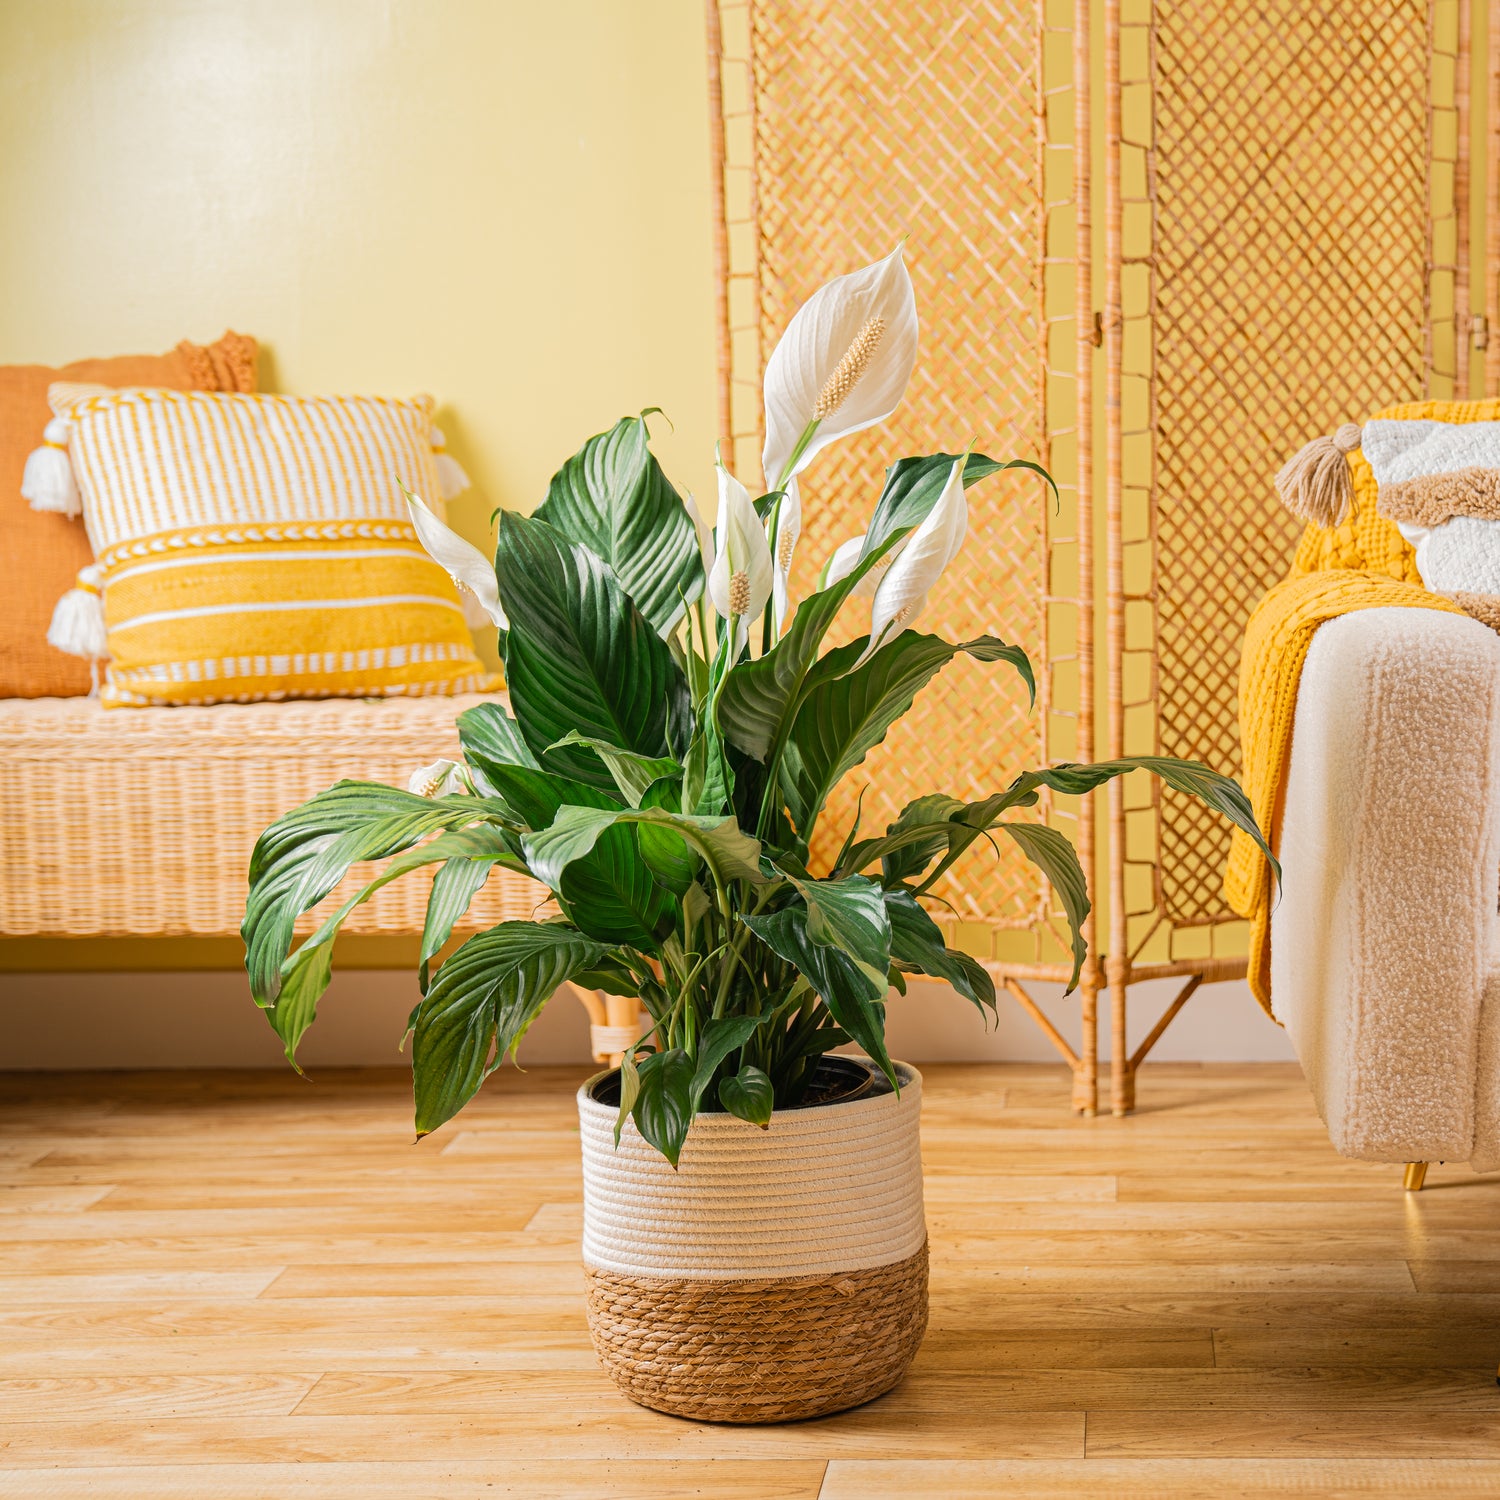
{"points": [[777, 1274]]}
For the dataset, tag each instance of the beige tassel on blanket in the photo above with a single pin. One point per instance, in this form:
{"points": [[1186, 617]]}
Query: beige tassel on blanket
{"points": [[1315, 484]]}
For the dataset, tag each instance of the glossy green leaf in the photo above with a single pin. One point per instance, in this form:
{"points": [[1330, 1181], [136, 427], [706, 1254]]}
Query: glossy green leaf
{"points": [[633, 774], [489, 736], [479, 1007], [454, 886], [305, 976], [630, 1090], [302, 856], [853, 993], [850, 914], [845, 714], [664, 1104], [708, 780], [613, 498], [912, 487], [611, 894], [759, 698], [1056, 858], [719, 1039], [750, 1095], [731, 854], [913, 858], [580, 656], [917, 944]]}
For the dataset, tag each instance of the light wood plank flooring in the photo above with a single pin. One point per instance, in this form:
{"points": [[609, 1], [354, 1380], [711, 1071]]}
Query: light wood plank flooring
{"points": [[250, 1285]]}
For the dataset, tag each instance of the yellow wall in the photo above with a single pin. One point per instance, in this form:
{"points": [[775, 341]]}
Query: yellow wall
{"points": [[503, 202]]}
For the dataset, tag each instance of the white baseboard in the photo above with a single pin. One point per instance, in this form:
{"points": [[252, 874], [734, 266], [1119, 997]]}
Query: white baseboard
{"points": [[207, 1020]]}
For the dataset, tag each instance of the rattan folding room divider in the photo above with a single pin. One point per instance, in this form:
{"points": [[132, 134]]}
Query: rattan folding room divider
{"points": [[1284, 229]]}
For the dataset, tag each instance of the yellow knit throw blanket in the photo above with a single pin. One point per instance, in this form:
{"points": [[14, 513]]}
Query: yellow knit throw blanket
{"points": [[1362, 563]]}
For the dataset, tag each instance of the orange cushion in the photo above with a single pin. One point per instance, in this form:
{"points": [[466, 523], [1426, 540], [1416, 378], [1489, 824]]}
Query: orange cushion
{"points": [[41, 553]]}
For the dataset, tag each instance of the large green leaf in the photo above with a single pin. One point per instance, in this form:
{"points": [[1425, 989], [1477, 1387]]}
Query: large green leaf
{"points": [[912, 487], [664, 1106], [708, 780], [749, 1094], [845, 714], [929, 813], [665, 851], [305, 977], [1056, 858], [301, 857], [917, 944], [613, 498], [610, 893], [454, 886], [719, 1039], [633, 774], [1222, 793], [850, 990], [580, 656], [759, 698], [489, 736], [848, 914], [965, 822], [481, 1003], [729, 853]]}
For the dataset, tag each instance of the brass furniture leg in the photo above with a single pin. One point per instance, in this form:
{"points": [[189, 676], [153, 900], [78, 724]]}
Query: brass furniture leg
{"points": [[1416, 1175]]}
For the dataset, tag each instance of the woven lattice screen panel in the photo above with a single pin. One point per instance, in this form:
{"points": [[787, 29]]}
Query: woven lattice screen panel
{"points": [[1291, 246], [878, 122]]}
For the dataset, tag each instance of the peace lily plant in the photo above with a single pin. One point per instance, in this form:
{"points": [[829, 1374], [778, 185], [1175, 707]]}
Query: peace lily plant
{"points": [[675, 728]]}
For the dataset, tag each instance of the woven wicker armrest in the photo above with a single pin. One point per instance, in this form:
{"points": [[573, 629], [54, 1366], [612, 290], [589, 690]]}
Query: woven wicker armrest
{"points": [[140, 822]]}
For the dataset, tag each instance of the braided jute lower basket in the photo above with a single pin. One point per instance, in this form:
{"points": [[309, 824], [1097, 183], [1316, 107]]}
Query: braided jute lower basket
{"points": [[777, 1274]]}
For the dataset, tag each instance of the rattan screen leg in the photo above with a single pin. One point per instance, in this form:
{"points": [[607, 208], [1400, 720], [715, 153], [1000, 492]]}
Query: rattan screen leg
{"points": [[1086, 1070], [1121, 1065]]}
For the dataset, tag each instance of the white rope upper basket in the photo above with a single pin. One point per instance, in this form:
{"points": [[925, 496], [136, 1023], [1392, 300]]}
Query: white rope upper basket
{"points": [[826, 1189]]}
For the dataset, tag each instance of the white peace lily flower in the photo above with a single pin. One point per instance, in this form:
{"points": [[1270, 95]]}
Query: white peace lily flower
{"points": [[788, 531], [843, 363], [740, 581], [441, 779], [847, 554], [704, 532], [463, 562], [903, 588]]}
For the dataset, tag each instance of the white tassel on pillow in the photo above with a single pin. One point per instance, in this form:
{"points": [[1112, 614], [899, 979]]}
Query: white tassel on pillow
{"points": [[78, 621], [452, 481], [48, 481]]}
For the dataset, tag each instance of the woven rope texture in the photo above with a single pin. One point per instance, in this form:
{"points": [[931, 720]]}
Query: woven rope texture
{"points": [[140, 822], [759, 1351], [824, 1190]]}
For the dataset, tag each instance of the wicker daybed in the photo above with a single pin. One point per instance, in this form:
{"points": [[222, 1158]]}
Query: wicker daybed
{"points": [[140, 822]]}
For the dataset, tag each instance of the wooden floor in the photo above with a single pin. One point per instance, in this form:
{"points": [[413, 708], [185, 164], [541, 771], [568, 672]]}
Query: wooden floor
{"points": [[248, 1285]]}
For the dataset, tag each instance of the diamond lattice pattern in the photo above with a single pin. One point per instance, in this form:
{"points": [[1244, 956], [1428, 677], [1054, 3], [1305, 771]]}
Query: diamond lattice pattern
{"points": [[876, 122], [1291, 244]]}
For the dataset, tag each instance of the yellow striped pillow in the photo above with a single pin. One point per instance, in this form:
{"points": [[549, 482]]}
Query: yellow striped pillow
{"points": [[258, 547]]}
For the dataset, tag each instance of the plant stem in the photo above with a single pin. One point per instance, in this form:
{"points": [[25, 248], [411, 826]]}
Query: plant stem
{"points": [[734, 957], [790, 467]]}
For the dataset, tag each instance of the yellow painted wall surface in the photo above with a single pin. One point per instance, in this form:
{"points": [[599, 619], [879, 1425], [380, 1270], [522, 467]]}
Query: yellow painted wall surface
{"points": [[503, 202]]}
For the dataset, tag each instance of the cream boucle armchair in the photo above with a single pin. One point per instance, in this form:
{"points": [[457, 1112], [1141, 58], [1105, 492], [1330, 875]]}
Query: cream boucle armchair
{"points": [[1385, 943]]}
